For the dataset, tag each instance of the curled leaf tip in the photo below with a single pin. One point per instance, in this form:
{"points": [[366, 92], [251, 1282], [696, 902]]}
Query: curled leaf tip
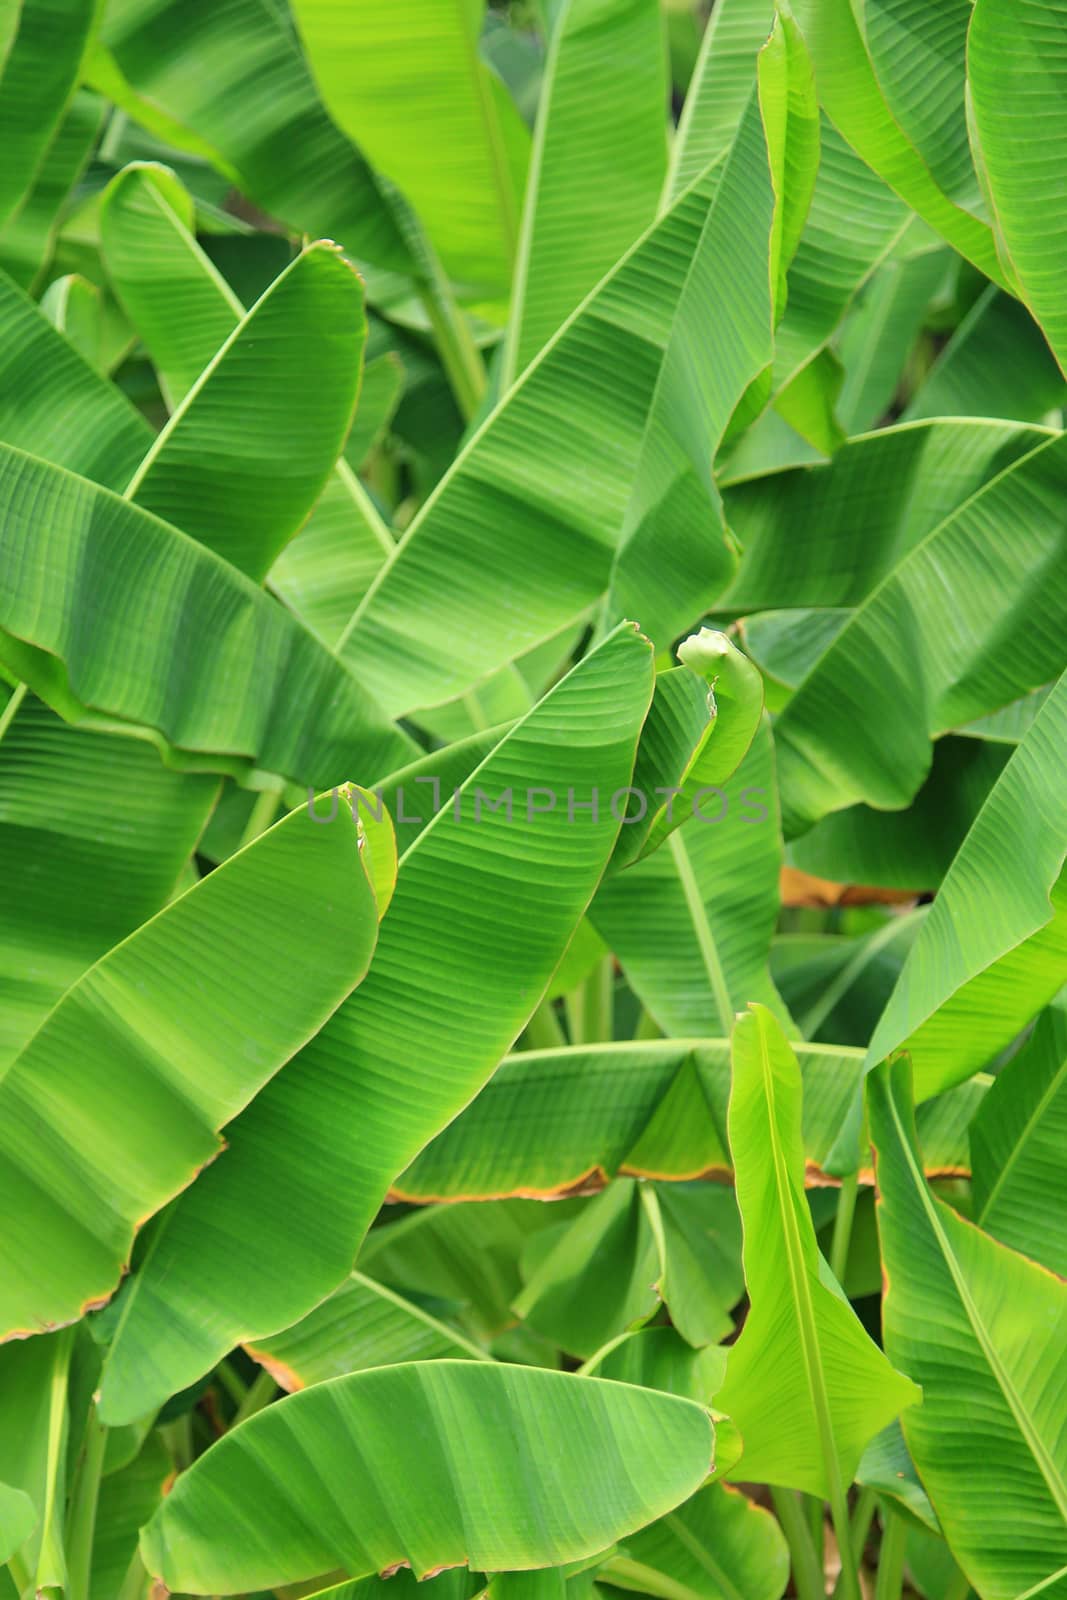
{"points": [[705, 652]]}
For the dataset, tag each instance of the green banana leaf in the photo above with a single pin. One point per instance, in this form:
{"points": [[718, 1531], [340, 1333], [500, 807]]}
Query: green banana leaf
{"points": [[74, 306], [1016, 1140], [877, 339], [40, 75], [691, 924], [362, 1324], [984, 964], [55, 405], [1017, 71], [659, 1358], [912, 849], [723, 79], [594, 1276], [852, 97], [630, 1250], [717, 1546], [28, 237], [184, 311], [552, 1122], [992, 1398], [250, 446], [689, 745], [231, 85], [113, 1105], [113, 842], [18, 1518], [43, 1406], [186, 618], [597, 167], [997, 364], [790, 113], [668, 566], [464, 1260], [596, 397], [859, 727], [472, 937], [918, 55], [127, 1500], [538, 1479], [828, 271], [405, 79], [175, 297], [887, 1467], [803, 543], [805, 1385]]}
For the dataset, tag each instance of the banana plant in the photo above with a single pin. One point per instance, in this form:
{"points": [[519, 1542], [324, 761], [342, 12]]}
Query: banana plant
{"points": [[533, 694]]}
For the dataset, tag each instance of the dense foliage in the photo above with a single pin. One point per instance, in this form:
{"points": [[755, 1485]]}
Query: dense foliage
{"points": [[533, 629]]}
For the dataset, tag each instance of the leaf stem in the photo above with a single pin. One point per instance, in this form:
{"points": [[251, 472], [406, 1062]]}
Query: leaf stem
{"points": [[261, 1392], [14, 700], [816, 1516], [807, 1577], [862, 1517], [600, 1006], [647, 1026], [460, 356], [83, 1503], [890, 1584], [50, 1562], [959, 1587], [20, 1573], [846, 1211], [231, 1381], [543, 1031], [261, 816]]}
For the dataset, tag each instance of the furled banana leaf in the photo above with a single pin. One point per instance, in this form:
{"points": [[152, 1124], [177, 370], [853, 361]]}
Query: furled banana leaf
{"points": [[804, 1384], [702, 721]]}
